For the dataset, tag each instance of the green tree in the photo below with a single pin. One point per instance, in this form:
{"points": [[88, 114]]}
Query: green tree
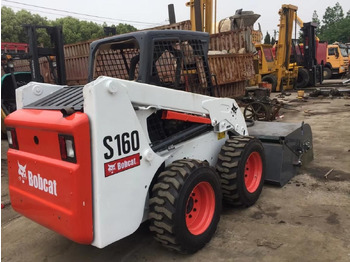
{"points": [[24, 17], [273, 41], [70, 29], [333, 14], [12, 29], [316, 20], [9, 25], [122, 28], [335, 26], [340, 32], [74, 30], [267, 39], [125, 28]]}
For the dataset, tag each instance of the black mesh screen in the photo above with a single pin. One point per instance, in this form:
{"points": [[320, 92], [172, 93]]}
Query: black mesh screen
{"points": [[119, 63], [174, 64], [180, 65]]}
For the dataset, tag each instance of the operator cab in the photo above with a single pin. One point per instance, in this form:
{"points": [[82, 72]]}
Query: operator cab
{"points": [[178, 59]]}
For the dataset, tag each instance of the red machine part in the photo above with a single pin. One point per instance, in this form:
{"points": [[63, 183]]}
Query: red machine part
{"points": [[53, 192], [167, 114], [321, 52], [14, 47]]}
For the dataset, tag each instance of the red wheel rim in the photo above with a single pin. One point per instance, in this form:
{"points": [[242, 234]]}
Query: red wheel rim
{"points": [[200, 208], [253, 172]]}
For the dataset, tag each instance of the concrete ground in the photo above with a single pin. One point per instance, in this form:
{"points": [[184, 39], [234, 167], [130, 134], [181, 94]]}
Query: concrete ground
{"points": [[306, 220]]}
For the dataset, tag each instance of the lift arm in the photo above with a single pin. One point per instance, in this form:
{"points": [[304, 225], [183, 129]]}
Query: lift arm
{"points": [[298, 20]]}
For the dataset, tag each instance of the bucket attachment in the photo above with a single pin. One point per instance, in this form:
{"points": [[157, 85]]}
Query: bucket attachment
{"points": [[287, 146]]}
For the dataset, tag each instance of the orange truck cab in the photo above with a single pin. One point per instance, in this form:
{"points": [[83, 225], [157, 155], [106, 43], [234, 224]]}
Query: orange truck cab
{"points": [[337, 60]]}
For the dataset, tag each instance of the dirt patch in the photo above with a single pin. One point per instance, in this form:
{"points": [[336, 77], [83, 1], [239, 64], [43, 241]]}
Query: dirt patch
{"points": [[320, 172], [332, 219]]}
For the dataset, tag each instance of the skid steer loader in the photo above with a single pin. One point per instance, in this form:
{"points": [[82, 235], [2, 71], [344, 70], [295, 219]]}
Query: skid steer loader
{"points": [[143, 140]]}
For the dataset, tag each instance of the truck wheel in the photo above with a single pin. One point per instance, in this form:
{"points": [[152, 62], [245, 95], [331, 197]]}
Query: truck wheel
{"points": [[241, 166], [185, 205], [303, 78], [327, 73], [272, 79]]}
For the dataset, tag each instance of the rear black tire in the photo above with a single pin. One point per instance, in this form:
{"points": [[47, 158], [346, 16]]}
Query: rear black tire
{"points": [[327, 73], [303, 78], [234, 171], [183, 196], [272, 79]]}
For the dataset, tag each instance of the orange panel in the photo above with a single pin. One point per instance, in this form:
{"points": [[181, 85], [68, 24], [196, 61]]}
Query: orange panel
{"points": [[54, 193], [185, 117]]}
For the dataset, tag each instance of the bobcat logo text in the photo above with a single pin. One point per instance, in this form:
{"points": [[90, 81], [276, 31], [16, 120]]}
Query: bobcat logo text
{"points": [[36, 180]]}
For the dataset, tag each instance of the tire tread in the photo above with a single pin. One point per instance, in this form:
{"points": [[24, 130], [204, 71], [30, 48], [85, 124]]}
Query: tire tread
{"points": [[162, 203], [229, 160]]}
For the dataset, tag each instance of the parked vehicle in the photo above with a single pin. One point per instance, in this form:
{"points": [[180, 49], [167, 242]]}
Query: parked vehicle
{"points": [[337, 60]]}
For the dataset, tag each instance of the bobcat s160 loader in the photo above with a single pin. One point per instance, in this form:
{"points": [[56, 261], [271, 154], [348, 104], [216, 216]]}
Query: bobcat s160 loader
{"points": [[93, 162]]}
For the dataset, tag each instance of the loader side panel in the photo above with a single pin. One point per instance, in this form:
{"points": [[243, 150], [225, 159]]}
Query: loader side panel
{"points": [[53, 192]]}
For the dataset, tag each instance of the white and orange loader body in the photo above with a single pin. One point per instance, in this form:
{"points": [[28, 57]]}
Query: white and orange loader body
{"points": [[145, 139], [87, 174]]}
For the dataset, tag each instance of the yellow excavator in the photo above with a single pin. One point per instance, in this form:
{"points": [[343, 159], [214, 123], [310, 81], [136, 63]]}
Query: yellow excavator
{"points": [[286, 74], [278, 71], [265, 65]]}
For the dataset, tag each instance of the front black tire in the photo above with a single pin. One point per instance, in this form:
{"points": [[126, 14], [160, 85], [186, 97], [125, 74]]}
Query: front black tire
{"points": [[185, 205], [303, 78], [241, 166], [272, 79]]}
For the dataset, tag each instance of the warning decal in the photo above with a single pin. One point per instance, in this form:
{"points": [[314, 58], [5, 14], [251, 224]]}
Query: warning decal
{"points": [[122, 164]]}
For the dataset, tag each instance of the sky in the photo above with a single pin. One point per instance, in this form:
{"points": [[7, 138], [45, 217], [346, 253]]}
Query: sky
{"points": [[145, 14]]}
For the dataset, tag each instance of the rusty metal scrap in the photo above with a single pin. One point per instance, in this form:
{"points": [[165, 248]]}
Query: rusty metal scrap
{"points": [[230, 68], [333, 92], [233, 90], [232, 40]]}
